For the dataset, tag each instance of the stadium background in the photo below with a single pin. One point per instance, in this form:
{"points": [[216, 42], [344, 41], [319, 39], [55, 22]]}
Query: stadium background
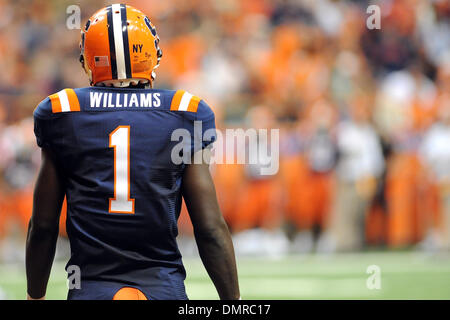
{"points": [[364, 119]]}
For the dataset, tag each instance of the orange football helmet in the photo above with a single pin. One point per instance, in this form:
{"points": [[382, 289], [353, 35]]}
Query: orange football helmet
{"points": [[119, 45]]}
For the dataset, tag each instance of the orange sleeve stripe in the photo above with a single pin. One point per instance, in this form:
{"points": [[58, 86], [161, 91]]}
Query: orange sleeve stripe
{"points": [[73, 100], [56, 104], [64, 101], [193, 104], [176, 100]]}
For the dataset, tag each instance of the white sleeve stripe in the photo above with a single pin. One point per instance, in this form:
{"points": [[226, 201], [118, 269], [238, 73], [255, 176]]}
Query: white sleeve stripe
{"points": [[64, 100], [118, 41], [184, 103]]}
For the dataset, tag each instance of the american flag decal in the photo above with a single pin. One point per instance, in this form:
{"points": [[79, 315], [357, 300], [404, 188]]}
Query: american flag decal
{"points": [[101, 61]]}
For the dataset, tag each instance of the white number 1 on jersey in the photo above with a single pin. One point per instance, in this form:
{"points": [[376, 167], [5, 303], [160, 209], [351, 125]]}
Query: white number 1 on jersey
{"points": [[119, 139]]}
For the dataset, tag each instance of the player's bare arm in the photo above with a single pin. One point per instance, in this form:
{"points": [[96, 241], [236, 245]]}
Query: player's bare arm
{"points": [[210, 230], [43, 227]]}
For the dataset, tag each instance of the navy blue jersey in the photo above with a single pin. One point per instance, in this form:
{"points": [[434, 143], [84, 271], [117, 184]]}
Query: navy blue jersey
{"points": [[114, 148]]}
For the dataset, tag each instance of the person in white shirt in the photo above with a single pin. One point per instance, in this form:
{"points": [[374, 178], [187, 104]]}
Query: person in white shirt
{"points": [[360, 164], [435, 155]]}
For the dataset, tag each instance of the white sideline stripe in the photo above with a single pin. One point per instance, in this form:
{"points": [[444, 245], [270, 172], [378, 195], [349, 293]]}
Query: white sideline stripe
{"points": [[118, 41], [184, 103], [64, 100]]}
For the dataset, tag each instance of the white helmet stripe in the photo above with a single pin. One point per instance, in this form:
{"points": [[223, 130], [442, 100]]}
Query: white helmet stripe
{"points": [[118, 41]]}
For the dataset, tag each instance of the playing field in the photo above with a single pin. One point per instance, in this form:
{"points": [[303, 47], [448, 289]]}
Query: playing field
{"points": [[404, 275]]}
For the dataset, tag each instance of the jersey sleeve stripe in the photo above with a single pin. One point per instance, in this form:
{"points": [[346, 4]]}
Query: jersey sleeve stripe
{"points": [[73, 100], [184, 103], [56, 105], [176, 100], [64, 101], [193, 104]]}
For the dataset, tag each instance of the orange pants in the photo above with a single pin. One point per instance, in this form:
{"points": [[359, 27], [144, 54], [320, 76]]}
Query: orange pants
{"points": [[314, 201], [229, 181], [4, 215], [294, 172], [258, 206], [307, 195], [376, 225], [184, 222], [20, 208], [15, 207], [127, 293], [411, 200]]}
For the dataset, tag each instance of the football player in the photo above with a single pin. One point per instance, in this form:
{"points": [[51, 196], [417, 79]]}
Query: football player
{"points": [[109, 149]]}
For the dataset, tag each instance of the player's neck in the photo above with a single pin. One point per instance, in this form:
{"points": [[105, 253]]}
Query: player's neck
{"points": [[147, 85]]}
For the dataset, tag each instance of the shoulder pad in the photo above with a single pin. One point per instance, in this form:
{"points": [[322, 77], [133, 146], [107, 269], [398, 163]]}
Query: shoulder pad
{"points": [[43, 109]]}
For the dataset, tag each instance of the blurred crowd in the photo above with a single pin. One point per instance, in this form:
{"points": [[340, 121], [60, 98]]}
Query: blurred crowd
{"points": [[364, 115]]}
